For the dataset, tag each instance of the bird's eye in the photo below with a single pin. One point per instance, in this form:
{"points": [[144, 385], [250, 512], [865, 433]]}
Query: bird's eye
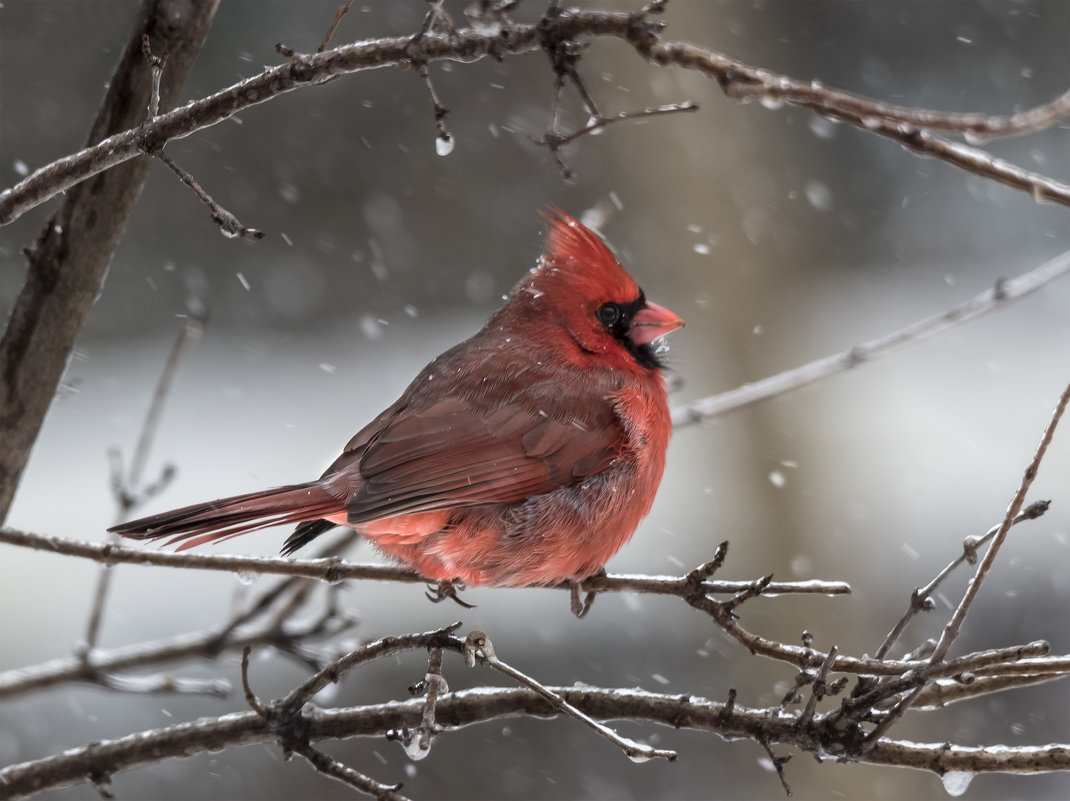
{"points": [[610, 313]]}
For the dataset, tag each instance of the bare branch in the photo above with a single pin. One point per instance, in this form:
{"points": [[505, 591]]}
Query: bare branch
{"points": [[347, 775], [600, 122], [229, 225], [481, 704], [954, 625], [128, 490], [68, 261], [386, 646], [341, 12], [250, 697], [738, 80], [156, 65], [989, 300], [477, 646], [942, 693], [104, 664], [921, 598], [333, 569]]}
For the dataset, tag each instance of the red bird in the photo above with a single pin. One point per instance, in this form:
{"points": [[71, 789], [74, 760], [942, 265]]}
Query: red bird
{"points": [[527, 454]]}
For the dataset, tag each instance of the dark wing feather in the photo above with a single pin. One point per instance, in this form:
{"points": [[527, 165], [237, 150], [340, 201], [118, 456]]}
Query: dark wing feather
{"points": [[452, 455]]}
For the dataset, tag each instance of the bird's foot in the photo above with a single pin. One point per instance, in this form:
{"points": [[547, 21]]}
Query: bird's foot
{"points": [[437, 593], [579, 607]]}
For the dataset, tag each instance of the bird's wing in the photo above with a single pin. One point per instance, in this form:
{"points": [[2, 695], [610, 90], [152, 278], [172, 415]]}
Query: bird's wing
{"points": [[451, 454]]}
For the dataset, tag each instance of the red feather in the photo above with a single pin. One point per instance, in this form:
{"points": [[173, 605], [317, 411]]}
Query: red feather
{"points": [[527, 454]]}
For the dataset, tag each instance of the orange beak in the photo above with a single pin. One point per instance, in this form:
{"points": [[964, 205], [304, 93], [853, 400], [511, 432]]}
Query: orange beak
{"points": [[653, 321]]}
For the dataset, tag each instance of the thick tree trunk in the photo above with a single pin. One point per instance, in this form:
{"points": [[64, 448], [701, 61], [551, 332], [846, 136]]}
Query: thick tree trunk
{"points": [[68, 261]]}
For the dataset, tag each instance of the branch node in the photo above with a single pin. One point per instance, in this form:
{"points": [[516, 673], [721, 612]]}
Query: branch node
{"points": [[478, 646], [101, 782], [705, 571]]}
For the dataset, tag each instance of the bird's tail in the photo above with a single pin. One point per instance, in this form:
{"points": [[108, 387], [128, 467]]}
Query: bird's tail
{"points": [[229, 517]]}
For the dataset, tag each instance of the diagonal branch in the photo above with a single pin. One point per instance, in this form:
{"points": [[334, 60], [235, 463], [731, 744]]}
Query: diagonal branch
{"points": [[954, 625], [1002, 293], [71, 255], [738, 80]]}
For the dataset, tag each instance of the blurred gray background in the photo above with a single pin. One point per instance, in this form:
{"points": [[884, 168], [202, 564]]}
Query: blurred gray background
{"points": [[778, 236]]}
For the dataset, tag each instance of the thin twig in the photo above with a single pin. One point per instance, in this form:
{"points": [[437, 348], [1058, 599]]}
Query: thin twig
{"points": [[129, 491], [600, 122], [436, 685], [435, 18], [387, 646], [156, 65], [229, 225], [334, 769], [954, 625], [819, 688], [778, 765], [921, 598], [102, 666], [158, 684], [478, 645], [250, 697], [945, 692], [341, 12], [987, 301]]}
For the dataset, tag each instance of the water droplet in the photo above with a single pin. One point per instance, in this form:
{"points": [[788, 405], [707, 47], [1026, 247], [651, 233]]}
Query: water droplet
{"points": [[702, 249], [956, 781], [415, 749], [776, 478], [640, 757], [770, 102], [247, 578], [21, 169], [444, 144]]}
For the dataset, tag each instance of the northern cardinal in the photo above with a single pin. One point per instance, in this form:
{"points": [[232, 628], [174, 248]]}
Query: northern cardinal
{"points": [[525, 455]]}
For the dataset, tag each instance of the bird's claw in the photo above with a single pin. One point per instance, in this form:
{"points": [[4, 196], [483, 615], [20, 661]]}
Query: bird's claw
{"points": [[437, 593], [580, 608]]}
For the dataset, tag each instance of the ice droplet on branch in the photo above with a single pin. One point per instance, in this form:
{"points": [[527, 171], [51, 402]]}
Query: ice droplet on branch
{"points": [[956, 781], [444, 144]]}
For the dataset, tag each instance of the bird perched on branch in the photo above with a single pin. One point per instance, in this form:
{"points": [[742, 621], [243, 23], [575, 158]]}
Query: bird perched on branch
{"points": [[526, 454]]}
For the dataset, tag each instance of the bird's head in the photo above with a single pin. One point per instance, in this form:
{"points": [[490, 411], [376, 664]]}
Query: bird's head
{"points": [[579, 286]]}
